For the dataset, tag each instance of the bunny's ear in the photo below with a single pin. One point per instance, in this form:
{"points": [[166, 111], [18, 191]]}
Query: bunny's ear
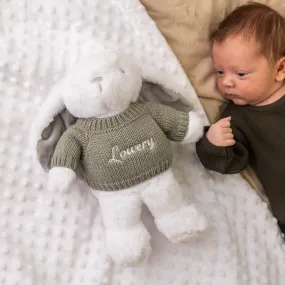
{"points": [[90, 48], [182, 90], [52, 106]]}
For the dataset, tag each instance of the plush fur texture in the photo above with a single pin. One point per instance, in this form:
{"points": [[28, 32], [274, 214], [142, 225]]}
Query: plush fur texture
{"points": [[127, 239], [102, 85], [174, 217], [52, 238], [60, 179], [195, 131]]}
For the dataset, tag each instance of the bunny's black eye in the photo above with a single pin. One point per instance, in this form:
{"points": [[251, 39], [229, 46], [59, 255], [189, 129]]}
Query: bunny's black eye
{"points": [[122, 70], [96, 79]]}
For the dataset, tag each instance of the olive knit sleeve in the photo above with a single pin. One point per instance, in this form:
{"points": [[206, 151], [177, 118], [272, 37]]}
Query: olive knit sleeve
{"points": [[173, 123], [69, 149]]}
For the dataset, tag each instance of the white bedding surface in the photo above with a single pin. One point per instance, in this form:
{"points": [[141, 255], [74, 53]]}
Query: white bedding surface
{"points": [[48, 238]]}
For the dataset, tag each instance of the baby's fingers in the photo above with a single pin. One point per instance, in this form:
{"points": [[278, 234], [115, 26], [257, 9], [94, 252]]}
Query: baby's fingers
{"points": [[228, 136], [228, 142], [225, 123], [228, 130], [226, 118]]}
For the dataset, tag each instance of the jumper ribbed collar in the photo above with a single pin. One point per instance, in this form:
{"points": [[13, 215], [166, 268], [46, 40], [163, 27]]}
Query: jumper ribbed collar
{"points": [[129, 114]]}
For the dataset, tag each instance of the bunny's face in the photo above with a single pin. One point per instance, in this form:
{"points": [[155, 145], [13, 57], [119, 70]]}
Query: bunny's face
{"points": [[102, 85]]}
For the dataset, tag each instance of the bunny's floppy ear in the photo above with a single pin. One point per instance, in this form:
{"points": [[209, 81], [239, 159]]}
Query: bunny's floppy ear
{"points": [[50, 108], [179, 91]]}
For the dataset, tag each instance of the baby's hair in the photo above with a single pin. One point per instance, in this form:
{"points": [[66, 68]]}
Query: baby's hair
{"points": [[255, 21]]}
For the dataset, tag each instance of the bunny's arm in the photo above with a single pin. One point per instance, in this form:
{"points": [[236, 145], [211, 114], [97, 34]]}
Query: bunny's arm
{"points": [[177, 125], [65, 160], [68, 149]]}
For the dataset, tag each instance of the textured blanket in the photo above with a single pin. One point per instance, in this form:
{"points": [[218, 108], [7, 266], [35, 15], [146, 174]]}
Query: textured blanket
{"points": [[47, 238]]}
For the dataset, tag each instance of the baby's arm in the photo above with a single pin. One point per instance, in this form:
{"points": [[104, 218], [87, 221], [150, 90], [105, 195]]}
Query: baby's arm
{"points": [[223, 148]]}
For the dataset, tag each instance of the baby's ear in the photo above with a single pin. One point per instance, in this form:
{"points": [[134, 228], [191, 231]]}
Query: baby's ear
{"points": [[280, 69]]}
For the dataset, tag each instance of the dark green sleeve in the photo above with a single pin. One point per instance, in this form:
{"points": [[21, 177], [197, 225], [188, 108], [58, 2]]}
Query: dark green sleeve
{"points": [[226, 160], [68, 149], [173, 123]]}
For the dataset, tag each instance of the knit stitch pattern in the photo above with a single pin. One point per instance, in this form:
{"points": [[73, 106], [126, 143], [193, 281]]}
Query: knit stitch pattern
{"points": [[124, 150]]}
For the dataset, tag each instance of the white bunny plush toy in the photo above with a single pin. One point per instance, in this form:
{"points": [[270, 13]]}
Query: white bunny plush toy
{"points": [[124, 149]]}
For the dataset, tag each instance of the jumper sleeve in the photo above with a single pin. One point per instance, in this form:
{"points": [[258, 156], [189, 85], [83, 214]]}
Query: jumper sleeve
{"points": [[226, 160], [68, 150], [173, 123]]}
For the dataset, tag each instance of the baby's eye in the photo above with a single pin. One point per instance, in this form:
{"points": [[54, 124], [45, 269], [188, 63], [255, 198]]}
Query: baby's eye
{"points": [[219, 72], [240, 74]]}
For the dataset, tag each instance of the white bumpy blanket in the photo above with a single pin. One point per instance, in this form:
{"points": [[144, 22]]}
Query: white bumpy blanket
{"points": [[47, 238]]}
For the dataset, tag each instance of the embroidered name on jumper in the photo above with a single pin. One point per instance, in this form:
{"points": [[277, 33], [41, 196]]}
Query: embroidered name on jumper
{"points": [[119, 155]]}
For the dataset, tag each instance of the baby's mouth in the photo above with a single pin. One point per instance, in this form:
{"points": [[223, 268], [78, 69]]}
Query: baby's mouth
{"points": [[233, 96]]}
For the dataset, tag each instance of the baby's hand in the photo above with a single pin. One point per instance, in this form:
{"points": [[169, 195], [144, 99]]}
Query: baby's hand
{"points": [[220, 133]]}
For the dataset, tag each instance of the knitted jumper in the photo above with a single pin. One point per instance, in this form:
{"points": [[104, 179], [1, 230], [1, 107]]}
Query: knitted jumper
{"points": [[121, 151], [260, 141]]}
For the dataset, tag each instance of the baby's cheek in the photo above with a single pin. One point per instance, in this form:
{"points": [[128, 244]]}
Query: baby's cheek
{"points": [[245, 88], [220, 86]]}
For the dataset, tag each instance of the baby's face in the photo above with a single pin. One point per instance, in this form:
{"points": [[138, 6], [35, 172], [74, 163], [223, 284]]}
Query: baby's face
{"points": [[243, 75]]}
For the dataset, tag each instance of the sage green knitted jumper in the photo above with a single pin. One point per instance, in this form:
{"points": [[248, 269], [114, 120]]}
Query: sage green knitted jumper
{"points": [[121, 151]]}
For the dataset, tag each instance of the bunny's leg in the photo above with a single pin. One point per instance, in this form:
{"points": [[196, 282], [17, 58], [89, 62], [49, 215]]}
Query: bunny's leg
{"points": [[174, 217], [127, 239]]}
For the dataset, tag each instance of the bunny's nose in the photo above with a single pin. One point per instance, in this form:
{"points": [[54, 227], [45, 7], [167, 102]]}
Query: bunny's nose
{"points": [[96, 79]]}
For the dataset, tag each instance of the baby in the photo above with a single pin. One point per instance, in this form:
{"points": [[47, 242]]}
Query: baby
{"points": [[248, 50]]}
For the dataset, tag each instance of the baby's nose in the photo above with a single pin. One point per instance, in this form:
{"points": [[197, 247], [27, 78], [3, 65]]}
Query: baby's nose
{"points": [[228, 82]]}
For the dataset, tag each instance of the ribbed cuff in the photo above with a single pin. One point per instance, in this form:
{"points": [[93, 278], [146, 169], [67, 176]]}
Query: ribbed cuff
{"points": [[115, 186], [182, 128], [206, 146], [64, 161], [212, 157]]}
